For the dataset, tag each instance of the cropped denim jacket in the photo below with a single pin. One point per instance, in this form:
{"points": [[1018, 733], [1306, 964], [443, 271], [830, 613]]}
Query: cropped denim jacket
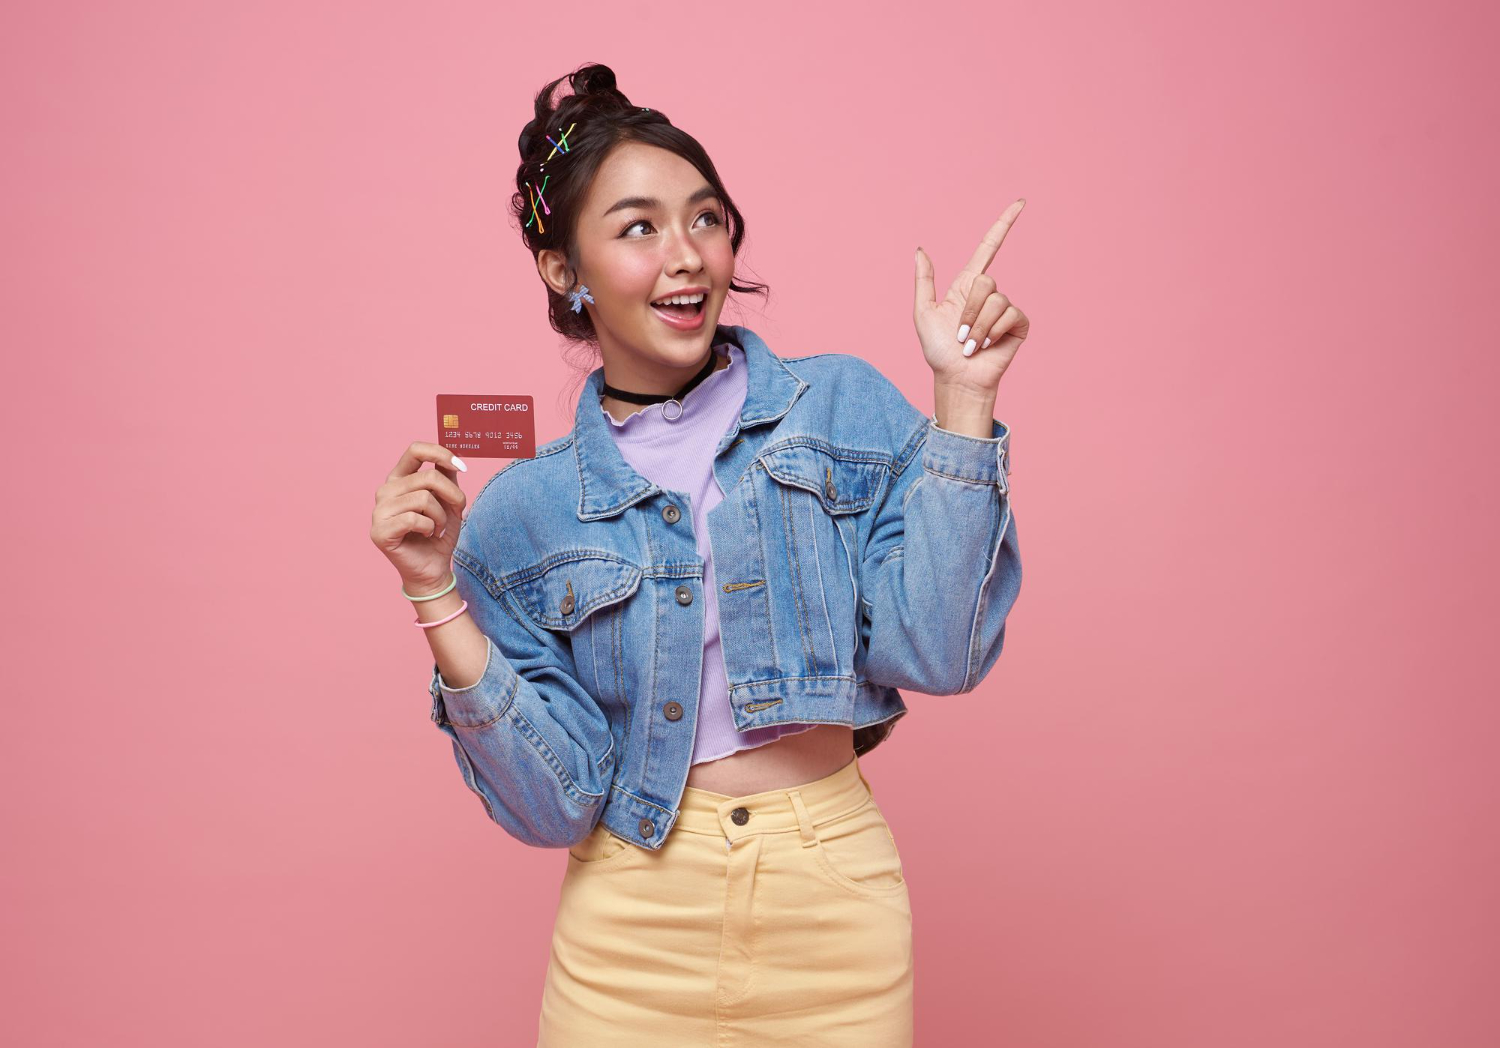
{"points": [[860, 549]]}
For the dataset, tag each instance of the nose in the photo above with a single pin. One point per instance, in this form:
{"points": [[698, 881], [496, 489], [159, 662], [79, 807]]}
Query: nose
{"points": [[686, 258]]}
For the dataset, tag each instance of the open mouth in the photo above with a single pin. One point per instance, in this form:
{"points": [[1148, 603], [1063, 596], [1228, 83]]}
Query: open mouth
{"points": [[681, 311]]}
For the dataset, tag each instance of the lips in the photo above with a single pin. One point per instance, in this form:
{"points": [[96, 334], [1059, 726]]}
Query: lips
{"points": [[687, 311], [682, 318]]}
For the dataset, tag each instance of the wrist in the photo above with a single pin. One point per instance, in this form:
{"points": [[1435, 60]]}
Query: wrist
{"points": [[964, 410], [425, 585]]}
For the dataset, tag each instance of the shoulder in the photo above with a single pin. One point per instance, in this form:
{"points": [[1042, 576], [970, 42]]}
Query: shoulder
{"points": [[515, 504], [529, 479], [854, 401], [844, 374]]}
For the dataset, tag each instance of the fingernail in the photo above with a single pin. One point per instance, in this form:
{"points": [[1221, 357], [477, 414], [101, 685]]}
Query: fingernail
{"points": [[968, 347], [985, 344], [963, 332], [458, 462], [440, 531]]}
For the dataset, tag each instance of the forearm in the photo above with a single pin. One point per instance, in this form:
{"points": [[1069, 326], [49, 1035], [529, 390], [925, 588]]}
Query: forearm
{"points": [[530, 739], [965, 411], [941, 567], [458, 647]]}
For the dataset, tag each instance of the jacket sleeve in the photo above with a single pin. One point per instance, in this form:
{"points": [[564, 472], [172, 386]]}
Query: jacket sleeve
{"points": [[941, 567], [530, 741]]}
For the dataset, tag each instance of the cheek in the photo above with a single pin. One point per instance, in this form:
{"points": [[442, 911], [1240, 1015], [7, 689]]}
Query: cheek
{"points": [[718, 259], [629, 277]]}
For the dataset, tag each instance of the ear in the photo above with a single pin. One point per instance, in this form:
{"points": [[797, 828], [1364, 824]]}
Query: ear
{"points": [[554, 270]]}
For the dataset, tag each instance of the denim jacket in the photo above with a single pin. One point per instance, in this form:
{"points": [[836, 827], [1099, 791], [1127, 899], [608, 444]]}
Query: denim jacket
{"points": [[860, 549]]}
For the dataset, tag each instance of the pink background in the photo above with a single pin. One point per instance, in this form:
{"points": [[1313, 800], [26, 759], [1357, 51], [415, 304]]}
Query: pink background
{"points": [[1233, 781]]}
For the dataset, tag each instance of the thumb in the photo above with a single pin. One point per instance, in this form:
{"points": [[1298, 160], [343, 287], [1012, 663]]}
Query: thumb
{"points": [[926, 293]]}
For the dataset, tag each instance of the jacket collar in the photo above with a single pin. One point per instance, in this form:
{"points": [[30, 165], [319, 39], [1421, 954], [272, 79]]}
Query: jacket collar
{"points": [[608, 484]]}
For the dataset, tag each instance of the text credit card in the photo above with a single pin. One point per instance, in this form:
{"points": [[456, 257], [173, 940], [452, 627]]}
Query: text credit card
{"points": [[486, 426]]}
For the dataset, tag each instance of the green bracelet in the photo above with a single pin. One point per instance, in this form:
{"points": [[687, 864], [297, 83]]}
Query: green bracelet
{"points": [[432, 596]]}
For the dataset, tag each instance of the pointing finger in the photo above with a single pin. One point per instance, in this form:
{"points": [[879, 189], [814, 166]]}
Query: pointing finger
{"points": [[984, 254]]}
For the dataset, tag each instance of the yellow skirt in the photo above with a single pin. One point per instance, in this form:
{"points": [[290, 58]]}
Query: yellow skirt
{"points": [[773, 918]]}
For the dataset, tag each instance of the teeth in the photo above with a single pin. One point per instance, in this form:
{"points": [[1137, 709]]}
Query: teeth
{"points": [[681, 300]]}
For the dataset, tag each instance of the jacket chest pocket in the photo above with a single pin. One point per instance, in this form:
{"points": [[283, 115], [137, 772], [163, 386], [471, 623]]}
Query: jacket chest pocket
{"points": [[581, 595], [844, 480], [811, 500]]}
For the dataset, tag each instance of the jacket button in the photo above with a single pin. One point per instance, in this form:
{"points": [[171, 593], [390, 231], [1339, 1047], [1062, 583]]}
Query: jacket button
{"points": [[670, 513], [684, 594], [646, 828], [740, 816], [831, 491], [567, 604], [672, 710]]}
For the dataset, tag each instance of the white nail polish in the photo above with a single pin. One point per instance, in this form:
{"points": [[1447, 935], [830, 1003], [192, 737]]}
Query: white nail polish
{"points": [[963, 332], [985, 344], [440, 532], [459, 463], [969, 347]]}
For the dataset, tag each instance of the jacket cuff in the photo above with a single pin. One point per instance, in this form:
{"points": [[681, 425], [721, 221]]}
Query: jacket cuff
{"points": [[482, 702], [978, 460]]}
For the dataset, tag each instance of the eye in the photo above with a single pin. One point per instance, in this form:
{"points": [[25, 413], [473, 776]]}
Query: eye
{"points": [[717, 221]]}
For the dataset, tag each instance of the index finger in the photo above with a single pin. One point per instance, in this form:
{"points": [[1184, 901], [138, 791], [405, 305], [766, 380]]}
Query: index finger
{"points": [[984, 254], [420, 451]]}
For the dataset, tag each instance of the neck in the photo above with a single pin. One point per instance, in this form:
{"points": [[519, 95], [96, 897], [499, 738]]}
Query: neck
{"points": [[620, 410]]}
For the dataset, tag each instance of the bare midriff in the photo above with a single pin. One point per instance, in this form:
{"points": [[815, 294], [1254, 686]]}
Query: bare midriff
{"points": [[791, 760]]}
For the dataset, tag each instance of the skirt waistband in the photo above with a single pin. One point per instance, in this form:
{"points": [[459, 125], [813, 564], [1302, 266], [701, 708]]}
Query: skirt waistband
{"points": [[774, 811]]}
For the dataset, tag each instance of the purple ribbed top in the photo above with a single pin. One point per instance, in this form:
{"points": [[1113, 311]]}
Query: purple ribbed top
{"points": [[678, 455]]}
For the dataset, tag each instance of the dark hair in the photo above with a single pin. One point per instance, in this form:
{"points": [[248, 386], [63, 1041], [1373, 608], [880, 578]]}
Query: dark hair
{"points": [[604, 119]]}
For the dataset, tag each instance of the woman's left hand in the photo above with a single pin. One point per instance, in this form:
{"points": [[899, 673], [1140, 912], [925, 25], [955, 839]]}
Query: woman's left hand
{"points": [[972, 314]]}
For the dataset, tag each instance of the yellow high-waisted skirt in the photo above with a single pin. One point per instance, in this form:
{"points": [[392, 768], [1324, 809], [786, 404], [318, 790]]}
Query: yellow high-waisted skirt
{"points": [[772, 918]]}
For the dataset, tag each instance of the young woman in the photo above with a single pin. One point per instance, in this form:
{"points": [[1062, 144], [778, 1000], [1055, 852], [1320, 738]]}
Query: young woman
{"points": [[664, 641]]}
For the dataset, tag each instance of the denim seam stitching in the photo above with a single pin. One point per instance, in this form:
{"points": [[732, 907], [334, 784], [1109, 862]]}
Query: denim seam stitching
{"points": [[614, 786], [795, 566], [524, 575], [981, 481], [540, 746], [505, 705]]}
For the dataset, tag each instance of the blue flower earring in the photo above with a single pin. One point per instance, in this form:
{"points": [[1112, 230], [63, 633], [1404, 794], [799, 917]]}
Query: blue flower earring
{"points": [[577, 297]]}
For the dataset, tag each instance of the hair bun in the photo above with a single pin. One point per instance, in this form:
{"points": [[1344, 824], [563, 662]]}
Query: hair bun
{"points": [[595, 80]]}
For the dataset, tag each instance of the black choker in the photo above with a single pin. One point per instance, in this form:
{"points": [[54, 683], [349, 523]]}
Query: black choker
{"points": [[657, 398]]}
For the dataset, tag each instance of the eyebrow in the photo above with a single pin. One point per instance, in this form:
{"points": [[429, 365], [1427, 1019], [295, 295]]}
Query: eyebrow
{"points": [[649, 202]]}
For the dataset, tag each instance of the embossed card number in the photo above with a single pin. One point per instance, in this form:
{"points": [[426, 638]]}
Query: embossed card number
{"points": [[475, 426]]}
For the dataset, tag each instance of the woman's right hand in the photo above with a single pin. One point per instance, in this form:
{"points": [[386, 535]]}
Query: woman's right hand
{"points": [[417, 516]]}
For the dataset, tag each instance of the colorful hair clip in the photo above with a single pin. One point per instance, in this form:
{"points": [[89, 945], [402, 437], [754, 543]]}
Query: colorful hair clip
{"points": [[536, 195], [578, 296], [562, 145]]}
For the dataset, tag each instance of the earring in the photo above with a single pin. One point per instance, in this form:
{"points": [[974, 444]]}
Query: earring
{"points": [[577, 297]]}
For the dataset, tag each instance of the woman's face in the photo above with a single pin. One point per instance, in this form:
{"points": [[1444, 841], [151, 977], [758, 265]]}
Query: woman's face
{"points": [[649, 227]]}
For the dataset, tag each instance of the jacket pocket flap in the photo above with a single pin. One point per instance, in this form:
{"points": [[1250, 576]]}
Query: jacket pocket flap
{"points": [[562, 591], [845, 481]]}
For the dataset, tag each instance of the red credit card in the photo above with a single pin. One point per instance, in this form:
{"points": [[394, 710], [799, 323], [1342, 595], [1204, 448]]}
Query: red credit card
{"points": [[486, 426]]}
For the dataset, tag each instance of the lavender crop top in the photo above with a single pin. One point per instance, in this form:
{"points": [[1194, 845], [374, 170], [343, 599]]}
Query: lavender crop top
{"points": [[678, 454]]}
